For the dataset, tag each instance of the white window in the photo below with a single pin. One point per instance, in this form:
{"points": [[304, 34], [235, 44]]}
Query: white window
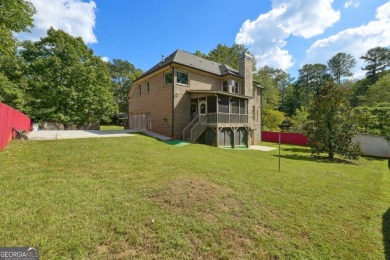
{"points": [[147, 87], [182, 78], [139, 89], [235, 87], [167, 78], [225, 86]]}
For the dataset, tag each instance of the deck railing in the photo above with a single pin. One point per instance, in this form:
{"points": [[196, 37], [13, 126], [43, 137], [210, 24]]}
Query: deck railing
{"points": [[213, 118]]}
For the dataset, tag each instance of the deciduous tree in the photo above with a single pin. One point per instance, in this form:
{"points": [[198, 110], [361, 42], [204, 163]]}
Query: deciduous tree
{"points": [[15, 16], [67, 82], [122, 74], [379, 92], [224, 54], [373, 120], [271, 117], [299, 119]]}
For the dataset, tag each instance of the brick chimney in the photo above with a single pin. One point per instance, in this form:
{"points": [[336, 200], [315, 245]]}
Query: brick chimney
{"points": [[245, 68]]}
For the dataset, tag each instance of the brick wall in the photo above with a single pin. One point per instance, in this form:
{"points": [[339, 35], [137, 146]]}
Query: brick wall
{"points": [[182, 100], [161, 99], [158, 102]]}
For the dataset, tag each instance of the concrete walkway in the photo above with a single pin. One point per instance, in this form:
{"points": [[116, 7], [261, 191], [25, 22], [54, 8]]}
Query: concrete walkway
{"points": [[75, 134], [262, 148], [155, 135]]}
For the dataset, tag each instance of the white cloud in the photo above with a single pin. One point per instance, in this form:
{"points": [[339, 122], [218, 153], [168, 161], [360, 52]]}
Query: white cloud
{"points": [[351, 3], [355, 41], [105, 59], [73, 16], [266, 36]]}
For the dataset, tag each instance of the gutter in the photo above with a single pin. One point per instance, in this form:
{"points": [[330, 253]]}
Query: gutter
{"points": [[147, 73], [173, 100]]}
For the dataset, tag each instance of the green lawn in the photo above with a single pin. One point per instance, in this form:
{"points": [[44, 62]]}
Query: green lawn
{"points": [[111, 127], [135, 197]]}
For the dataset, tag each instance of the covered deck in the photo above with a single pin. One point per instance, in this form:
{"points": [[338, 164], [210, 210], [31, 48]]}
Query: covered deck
{"points": [[218, 119]]}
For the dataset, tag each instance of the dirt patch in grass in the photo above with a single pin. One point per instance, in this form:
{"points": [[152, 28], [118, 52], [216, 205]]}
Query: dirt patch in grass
{"points": [[127, 246], [115, 251], [265, 230], [196, 195], [236, 241]]}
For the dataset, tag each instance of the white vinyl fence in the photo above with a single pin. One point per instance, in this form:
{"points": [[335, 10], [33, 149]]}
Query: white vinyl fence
{"points": [[374, 145]]}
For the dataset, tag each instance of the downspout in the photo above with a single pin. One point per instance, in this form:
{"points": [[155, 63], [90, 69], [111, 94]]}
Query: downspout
{"points": [[173, 101], [217, 129], [261, 115], [128, 106]]}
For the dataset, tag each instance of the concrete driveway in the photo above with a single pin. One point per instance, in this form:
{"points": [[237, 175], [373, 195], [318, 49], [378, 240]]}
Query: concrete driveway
{"points": [[74, 134], [262, 148]]}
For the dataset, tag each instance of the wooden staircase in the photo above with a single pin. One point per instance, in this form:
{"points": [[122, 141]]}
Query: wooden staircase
{"points": [[195, 128]]}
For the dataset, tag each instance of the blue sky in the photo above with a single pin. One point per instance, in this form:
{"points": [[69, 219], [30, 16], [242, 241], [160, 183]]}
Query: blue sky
{"points": [[280, 33]]}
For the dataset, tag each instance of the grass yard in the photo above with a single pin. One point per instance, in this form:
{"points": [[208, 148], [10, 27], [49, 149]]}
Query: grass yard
{"points": [[135, 197], [111, 127]]}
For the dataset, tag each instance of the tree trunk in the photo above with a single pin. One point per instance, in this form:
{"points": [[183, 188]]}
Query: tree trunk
{"points": [[330, 141]]}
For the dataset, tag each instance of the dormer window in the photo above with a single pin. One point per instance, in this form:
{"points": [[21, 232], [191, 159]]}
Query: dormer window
{"points": [[231, 86], [235, 87], [225, 86]]}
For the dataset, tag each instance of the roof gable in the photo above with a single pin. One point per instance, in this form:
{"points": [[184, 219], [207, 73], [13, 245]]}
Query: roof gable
{"points": [[193, 61]]}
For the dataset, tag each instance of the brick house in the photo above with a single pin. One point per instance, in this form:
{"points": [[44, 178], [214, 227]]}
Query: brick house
{"points": [[191, 98]]}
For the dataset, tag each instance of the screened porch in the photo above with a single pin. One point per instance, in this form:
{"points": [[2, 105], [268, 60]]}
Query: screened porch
{"points": [[221, 110]]}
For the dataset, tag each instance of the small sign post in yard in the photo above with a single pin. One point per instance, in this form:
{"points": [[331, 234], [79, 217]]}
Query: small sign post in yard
{"points": [[283, 126], [279, 151]]}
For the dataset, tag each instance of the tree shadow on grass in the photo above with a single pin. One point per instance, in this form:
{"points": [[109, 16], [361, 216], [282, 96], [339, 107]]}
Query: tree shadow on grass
{"points": [[316, 158], [373, 158], [386, 233], [297, 150]]}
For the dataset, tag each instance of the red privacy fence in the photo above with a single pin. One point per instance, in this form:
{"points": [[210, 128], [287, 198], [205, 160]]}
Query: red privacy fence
{"points": [[11, 118], [285, 138]]}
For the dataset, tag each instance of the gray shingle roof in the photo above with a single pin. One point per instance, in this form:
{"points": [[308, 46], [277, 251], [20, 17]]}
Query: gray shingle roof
{"points": [[193, 61]]}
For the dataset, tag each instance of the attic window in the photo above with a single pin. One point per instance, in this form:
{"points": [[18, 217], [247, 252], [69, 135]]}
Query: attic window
{"points": [[147, 87], [182, 78], [167, 78]]}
